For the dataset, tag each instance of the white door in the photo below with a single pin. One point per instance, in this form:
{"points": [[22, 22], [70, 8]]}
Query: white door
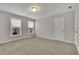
{"points": [[76, 34], [59, 27]]}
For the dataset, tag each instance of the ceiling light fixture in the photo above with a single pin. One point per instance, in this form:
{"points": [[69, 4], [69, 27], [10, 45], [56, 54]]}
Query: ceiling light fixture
{"points": [[34, 9]]}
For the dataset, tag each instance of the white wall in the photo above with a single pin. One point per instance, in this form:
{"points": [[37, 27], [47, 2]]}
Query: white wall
{"points": [[69, 26], [45, 27], [5, 27]]}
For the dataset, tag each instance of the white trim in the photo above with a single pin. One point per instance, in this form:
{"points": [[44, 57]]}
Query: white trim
{"points": [[77, 46], [55, 39], [14, 40]]}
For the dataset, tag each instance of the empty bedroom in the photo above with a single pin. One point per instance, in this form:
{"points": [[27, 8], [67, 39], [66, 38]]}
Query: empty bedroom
{"points": [[39, 28]]}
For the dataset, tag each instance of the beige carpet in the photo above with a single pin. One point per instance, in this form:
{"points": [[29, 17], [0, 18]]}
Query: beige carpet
{"points": [[37, 46]]}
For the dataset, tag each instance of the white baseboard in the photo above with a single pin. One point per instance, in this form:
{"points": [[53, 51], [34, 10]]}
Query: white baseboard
{"points": [[45, 37], [55, 39], [13, 40]]}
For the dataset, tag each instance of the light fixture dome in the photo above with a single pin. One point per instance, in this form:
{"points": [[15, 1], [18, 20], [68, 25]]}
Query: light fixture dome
{"points": [[34, 9]]}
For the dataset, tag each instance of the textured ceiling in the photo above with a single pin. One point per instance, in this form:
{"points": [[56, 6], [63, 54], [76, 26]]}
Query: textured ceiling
{"points": [[44, 9]]}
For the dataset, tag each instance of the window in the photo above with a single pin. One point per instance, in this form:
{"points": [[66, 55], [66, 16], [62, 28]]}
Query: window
{"points": [[31, 27], [15, 27], [15, 23], [30, 24]]}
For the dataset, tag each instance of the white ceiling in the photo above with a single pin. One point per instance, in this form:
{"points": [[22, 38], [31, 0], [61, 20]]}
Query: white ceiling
{"points": [[44, 9]]}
